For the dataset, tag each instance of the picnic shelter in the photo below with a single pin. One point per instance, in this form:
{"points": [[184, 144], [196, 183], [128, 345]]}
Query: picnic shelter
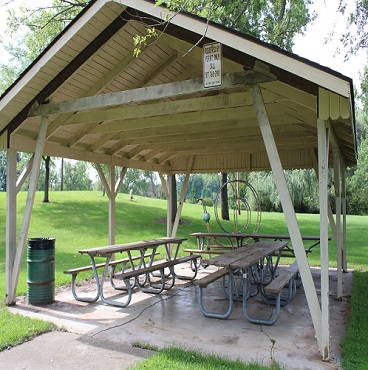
{"points": [[255, 108]]}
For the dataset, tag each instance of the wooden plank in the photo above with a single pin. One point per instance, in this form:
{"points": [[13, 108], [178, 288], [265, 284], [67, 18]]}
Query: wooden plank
{"points": [[296, 95], [169, 209], [282, 279], [155, 267], [245, 257], [162, 108], [345, 109], [112, 203], [210, 278], [97, 86], [23, 176], [101, 265], [11, 224], [323, 104], [289, 212], [182, 196], [70, 67], [4, 141], [146, 94], [334, 106], [117, 248], [29, 203], [256, 252], [323, 149], [337, 185], [28, 145]]}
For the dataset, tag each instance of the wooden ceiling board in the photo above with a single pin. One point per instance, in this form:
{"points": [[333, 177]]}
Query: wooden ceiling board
{"points": [[217, 126]]}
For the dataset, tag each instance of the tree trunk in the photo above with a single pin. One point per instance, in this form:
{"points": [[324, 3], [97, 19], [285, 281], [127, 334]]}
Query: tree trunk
{"points": [[224, 199], [174, 198], [47, 179], [62, 175]]}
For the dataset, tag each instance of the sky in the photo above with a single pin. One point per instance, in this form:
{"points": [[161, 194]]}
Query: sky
{"points": [[310, 46]]}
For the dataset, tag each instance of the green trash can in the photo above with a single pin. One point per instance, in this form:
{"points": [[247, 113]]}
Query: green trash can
{"points": [[41, 270]]}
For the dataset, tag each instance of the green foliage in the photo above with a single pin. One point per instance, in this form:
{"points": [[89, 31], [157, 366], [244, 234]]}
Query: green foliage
{"points": [[76, 176], [136, 180], [357, 35], [174, 358], [30, 31], [276, 22], [355, 343], [358, 183], [73, 230], [208, 202], [141, 41]]}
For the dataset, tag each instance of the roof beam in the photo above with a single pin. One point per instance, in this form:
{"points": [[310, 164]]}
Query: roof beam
{"points": [[232, 80], [162, 108], [28, 145]]}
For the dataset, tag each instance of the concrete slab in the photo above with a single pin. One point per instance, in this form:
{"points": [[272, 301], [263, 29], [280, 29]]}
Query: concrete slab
{"points": [[174, 319]]}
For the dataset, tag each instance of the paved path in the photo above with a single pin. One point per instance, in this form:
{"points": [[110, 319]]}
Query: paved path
{"points": [[68, 351], [101, 337]]}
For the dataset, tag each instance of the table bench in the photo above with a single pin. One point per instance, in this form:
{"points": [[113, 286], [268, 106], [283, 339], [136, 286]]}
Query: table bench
{"points": [[142, 265], [207, 280], [249, 261], [160, 268], [112, 264], [272, 294]]}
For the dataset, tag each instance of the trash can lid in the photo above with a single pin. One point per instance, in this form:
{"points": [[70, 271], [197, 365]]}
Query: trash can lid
{"points": [[41, 243]]}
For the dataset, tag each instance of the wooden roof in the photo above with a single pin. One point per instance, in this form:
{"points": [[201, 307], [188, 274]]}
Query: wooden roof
{"points": [[152, 112]]}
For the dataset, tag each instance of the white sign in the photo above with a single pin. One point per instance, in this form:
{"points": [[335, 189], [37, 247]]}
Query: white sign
{"points": [[212, 65]]}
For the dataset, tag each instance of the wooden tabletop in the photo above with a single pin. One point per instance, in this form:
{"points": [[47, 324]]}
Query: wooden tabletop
{"points": [[118, 248], [242, 258], [253, 236]]}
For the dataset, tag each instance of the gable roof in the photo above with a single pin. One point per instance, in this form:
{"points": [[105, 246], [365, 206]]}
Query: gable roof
{"points": [[216, 128]]}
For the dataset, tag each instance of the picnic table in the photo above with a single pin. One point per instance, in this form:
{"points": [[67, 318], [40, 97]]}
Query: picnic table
{"points": [[205, 241], [137, 268], [251, 264]]}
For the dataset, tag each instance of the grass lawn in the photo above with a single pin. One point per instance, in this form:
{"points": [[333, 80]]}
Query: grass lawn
{"points": [[79, 220]]}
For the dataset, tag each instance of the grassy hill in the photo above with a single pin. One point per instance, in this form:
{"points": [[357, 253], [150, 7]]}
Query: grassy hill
{"points": [[79, 220]]}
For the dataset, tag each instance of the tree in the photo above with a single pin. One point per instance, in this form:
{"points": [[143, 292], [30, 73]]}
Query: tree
{"points": [[356, 37], [276, 22], [32, 29], [2, 171], [224, 198], [76, 176], [174, 198], [47, 178]]}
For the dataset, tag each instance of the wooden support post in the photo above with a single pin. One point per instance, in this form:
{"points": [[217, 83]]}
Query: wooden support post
{"points": [[30, 200], [287, 205], [112, 204], [11, 223], [121, 178], [169, 206], [26, 171], [164, 185], [323, 148], [343, 203], [182, 196], [337, 181]]}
